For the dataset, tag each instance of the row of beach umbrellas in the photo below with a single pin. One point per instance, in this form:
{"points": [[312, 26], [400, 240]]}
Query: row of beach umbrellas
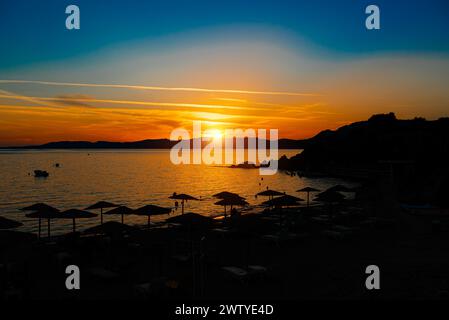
{"points": [[332, 194], [278, 199], [44, 211]]}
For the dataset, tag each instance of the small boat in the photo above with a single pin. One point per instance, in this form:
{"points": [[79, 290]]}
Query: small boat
{"points": [[250, 165], [41, 174], [265, 164], [245, 165]]}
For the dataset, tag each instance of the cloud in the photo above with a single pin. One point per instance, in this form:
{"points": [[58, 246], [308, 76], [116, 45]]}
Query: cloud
{"points": [[155, 88], [81, 99], [78, 100]]}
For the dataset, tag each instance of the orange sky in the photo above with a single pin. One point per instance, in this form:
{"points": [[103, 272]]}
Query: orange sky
{"points": [[37, 119], [135, 93]]}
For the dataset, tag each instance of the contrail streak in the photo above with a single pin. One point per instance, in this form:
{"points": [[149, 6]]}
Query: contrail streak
{"points": [[42, 101], [12, 95], [136, 87]]}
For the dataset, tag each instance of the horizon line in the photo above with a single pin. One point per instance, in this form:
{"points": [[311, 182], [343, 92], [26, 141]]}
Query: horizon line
{"points": [[135, 141]]}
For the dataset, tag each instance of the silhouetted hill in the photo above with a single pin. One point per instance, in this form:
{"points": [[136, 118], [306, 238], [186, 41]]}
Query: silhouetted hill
{"points": [[382, 137], [415, 152], [143, 144]]}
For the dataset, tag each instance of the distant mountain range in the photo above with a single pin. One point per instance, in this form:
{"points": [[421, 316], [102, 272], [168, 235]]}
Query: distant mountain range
{"points": [[143, 144]]}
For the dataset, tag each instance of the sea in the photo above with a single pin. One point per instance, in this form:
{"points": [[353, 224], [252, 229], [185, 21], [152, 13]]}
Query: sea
{"points": [[127, 177]]}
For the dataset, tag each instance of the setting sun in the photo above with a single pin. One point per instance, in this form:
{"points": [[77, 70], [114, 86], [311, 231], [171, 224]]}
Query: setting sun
{"points": [[213, 133]]}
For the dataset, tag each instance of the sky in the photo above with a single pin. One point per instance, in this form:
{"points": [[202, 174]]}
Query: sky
{"points": [[139, 69]]}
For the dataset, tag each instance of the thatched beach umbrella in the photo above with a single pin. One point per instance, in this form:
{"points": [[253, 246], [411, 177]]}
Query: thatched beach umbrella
{"points": [[110, 227], [227, 195], [6, 223], [102, 205], [190, 219], [183, 197], [39, 207], [270, 194], [42, 207], [330, 197], [308, 190], [231, 202], [195, 224], [283, 201], [122, 210], [76, 214], [44, 214], [151, 210]]}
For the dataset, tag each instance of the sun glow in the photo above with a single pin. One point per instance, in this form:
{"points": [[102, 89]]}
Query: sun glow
{"points": [[213, 133]]}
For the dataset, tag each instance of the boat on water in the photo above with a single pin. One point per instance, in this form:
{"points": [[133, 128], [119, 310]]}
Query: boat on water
{"points": [[41, 174], [250, 165]]}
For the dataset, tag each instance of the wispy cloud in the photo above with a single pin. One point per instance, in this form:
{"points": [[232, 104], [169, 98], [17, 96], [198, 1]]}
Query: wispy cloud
{"points": [[78, 99], [12, 95], [156, 88]]}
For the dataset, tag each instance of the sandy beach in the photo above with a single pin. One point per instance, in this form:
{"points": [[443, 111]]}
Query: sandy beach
{"points": [[294, 253]]}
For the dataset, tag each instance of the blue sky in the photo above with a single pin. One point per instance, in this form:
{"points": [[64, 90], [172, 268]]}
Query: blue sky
{"points": [[337, 26]]}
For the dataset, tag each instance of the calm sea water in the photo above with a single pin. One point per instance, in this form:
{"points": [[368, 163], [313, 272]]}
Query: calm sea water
{"points": [[129, 177]]}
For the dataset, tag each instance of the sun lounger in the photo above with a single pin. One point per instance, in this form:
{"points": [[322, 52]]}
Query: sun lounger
{"points": [[368, 223], [273, 237], [237, 273], [174, 225], [278, 238], [142, 290], [290, 236], [270, 218], [320, 219], [379, 222], [245, 274], [343, 229], [256, 270], [221, 231], [157, 286], [181, 257], [336, 235]]}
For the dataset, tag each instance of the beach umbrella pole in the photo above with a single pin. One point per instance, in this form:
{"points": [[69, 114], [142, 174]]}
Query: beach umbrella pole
{"points": [[182, 207], [39, 234], [101, 215], [122, 219], [280, 216], [73, 224], [48, 228]]}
